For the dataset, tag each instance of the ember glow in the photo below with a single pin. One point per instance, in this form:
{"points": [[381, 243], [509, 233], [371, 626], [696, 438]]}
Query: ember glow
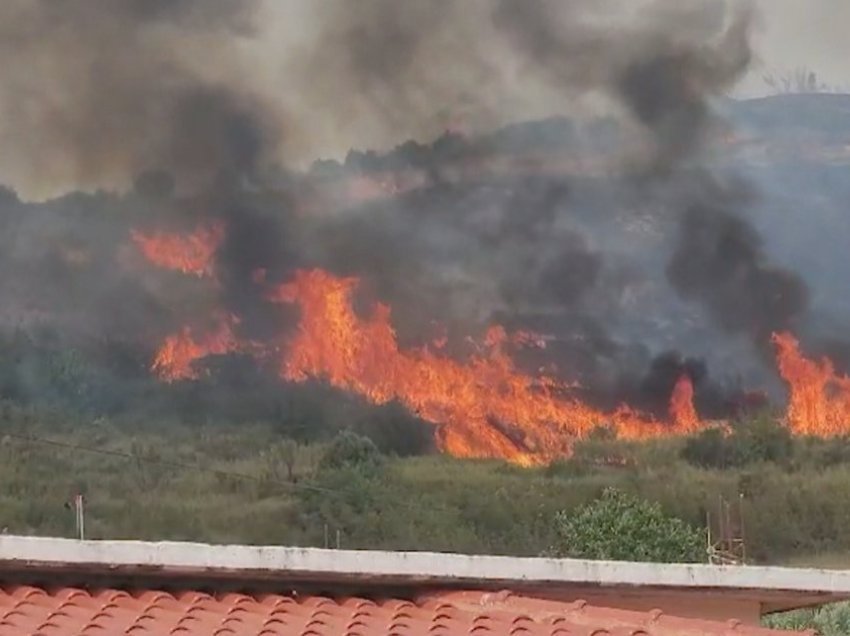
{"points": [[483, 407], [819, 399], [190, 253], [176, 357]]}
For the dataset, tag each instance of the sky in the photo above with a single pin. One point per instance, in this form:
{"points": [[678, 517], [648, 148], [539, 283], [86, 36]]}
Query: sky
{"points": [[802, 33]]}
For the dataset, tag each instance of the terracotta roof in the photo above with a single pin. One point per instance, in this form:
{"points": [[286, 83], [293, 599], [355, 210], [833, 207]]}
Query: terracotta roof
{"points": [[33, 611]]}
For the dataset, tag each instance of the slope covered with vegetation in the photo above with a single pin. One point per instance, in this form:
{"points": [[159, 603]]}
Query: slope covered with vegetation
{"points": [[212, 482]]}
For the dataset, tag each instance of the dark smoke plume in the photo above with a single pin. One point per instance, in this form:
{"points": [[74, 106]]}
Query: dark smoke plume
{"points": [[147, 92], [666, 78], [159, 94], [720, 261], [96, 91], [663, 69]]}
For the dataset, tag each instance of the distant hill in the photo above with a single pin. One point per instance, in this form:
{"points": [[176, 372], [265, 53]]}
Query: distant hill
{"points": [[822, 115], [820, 121]]}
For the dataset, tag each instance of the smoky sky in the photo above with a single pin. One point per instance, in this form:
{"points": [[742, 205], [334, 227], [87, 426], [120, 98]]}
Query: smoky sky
{"points": [[94, 92]]}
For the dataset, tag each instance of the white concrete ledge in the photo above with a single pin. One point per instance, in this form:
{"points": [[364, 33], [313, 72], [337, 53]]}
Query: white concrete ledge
{"points": [[287, 565]]}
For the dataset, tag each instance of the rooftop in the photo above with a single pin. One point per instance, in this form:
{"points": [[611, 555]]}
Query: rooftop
{"points": [[268, 567], [28, 611], [63, 587]]}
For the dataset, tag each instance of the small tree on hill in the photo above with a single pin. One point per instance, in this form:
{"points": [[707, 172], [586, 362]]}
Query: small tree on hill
{"points": [[350, 450], [620, 527]]}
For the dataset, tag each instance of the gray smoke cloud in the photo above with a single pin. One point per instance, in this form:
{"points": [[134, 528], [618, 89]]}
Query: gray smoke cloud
{"points": [[663, 68], [97, 92], [106, 89], [91, 93]]}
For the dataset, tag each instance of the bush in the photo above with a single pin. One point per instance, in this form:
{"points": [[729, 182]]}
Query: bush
{"points": [[762, 439], [831, 620], [620, 527], [709, 449], [396, 431], [350, 450]]}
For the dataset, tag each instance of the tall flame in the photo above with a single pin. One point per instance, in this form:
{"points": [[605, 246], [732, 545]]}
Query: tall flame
{"points": [[683, 414], [176, 357], [190, 253], [819, 399], [484, 407]]}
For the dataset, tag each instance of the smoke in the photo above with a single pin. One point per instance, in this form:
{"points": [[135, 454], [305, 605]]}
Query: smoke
{"points": [[95, 92], [167, 101], [663, 68], [107, 89], [665, 74], [720, 261]]}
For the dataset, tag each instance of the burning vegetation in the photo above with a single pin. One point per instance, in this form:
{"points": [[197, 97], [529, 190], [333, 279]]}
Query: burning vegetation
{"points": [[819, 398], [190, 254], [579, 273], [483, 406], [177, 356]]}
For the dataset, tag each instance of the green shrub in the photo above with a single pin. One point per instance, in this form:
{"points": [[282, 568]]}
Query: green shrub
{"points": [[761, 439], [350, 450], [831, 620], [621, 527]]}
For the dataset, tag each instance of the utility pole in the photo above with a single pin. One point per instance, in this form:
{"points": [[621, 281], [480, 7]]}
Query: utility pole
{"points": [[743, 535], [81, 518]]}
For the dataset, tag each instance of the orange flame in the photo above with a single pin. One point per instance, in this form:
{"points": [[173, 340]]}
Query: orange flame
{"points": [[683, 414], [484, 408], [176, 357], [819, 399], [191, 254]]}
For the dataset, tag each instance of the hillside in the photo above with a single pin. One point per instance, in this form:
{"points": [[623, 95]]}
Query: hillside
{"points": [[231, 451], [247, 485]]}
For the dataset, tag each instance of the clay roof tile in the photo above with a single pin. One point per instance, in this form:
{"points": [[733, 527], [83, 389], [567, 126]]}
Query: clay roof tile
{"points": [[27, 610]]}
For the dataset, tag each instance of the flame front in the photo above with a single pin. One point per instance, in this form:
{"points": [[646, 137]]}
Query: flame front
{"points": [[191, 253], [819, 399], [176, 357], [484, 407]]}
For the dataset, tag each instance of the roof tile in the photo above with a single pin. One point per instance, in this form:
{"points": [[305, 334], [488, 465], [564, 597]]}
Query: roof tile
{"points": [[28, 611]]}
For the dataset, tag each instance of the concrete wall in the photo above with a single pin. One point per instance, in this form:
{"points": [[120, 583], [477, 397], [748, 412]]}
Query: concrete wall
{"points": [[684, 590]]}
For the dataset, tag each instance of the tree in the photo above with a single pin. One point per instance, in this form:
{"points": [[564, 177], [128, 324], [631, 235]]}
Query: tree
{"points": [[620, 527], [281, 458], [350, 450], [763, 439]]}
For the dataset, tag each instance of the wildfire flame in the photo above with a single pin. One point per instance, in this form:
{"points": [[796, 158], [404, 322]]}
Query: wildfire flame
{"points": [[176, 357], [819, 399], [683, 414], [191, 253], [484, 407]]}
